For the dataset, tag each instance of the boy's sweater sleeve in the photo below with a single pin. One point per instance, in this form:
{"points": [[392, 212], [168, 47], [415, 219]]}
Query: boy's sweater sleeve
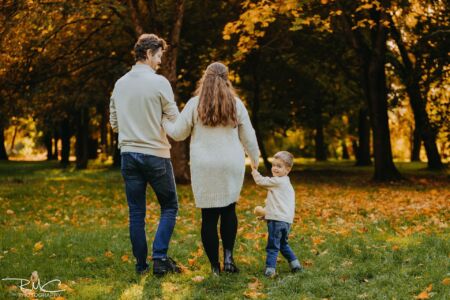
{"points": [[266, 182], [181, 128]]}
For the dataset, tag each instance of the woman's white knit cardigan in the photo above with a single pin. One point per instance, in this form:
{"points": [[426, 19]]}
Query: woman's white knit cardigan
{"points": [[217, 157]]}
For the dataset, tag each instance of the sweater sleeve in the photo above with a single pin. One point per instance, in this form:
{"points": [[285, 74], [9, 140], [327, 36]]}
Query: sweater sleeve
{"points": [[113, 115], [247, 134], [267, 182], [180, 128], [169, 107]]}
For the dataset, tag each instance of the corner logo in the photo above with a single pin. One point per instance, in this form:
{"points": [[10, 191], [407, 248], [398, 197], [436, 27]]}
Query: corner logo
{"points": [[36, 286]]}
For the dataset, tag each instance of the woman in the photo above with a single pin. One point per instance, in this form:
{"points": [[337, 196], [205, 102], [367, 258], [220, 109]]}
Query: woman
{"points": [[220, 127]]}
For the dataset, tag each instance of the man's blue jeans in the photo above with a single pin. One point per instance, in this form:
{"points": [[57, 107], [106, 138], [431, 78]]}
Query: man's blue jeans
{"points": [[138, 170], [278, 242]]}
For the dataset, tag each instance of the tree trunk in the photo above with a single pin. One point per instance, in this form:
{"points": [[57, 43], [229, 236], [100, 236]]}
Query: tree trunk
{"points": [[423, 126], [3, 154], [385, 169], [179, 150], [363, 150], [416, 145], [13, 141], [319, 139], [345, 154], [255, 118], [65, 142], [48, 145], [116, 151], [372, 53], [82, 143], [103, 130], [55, 149], [411, 79]]}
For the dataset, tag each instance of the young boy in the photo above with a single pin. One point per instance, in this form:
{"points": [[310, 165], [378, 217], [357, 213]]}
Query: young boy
{"points": [[280, 210]]}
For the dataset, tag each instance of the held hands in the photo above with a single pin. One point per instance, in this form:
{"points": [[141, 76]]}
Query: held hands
{"points": [[260, 212], [254, 165]]}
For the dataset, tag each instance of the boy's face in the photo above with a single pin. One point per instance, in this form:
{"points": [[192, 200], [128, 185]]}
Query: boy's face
{"points": [[279, 168]]}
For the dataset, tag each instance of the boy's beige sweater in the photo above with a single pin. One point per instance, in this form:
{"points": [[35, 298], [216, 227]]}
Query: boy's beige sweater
{"points": [[280, 202]]}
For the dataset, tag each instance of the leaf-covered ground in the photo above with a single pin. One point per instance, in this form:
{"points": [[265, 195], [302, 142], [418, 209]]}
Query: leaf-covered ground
{"points": [[356, 239]]}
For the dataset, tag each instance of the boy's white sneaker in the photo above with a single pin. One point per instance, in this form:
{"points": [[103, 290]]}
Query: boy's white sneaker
{"points": [[270, 272]]}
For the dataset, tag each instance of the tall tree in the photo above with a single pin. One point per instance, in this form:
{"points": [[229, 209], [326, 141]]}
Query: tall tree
{"points": [[411, 66]]}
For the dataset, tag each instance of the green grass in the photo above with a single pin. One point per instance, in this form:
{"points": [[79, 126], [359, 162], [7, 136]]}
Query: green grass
{"points": [[353, 242]]}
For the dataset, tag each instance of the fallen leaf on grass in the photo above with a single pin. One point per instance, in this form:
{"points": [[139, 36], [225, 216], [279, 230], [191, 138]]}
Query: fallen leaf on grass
{"points": [[424, 294], [9, 212], [198, 279], [255, 285], [109, 254], [38, 246], [124, 258], [27, 293], [446, 281], [307, 263], [65, 287], [252, 294], [90, 259], [317, 240]]}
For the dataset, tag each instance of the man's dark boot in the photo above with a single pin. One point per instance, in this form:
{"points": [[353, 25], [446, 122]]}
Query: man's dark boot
{"points": [[228, 262]]}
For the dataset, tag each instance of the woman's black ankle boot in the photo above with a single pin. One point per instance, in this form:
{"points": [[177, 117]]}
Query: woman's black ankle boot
{"points": [[215, 269], [228, 262]]}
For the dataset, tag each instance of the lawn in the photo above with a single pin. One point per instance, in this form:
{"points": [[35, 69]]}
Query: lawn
{"points": [[356, 239]]}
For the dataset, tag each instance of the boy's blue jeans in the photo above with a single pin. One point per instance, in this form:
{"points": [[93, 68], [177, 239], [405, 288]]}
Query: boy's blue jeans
{"points": [[278, 242], [138, 170]]}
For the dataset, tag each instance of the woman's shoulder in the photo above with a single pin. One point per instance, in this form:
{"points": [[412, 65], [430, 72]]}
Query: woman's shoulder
{"points": [[193, 101]]}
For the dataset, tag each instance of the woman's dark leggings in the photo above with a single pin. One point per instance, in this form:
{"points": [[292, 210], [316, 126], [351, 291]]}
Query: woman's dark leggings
{"points": [[228, 230]]}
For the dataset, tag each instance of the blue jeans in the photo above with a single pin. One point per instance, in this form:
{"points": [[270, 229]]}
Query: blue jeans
{"points": [[138, 170], [278, 242]]}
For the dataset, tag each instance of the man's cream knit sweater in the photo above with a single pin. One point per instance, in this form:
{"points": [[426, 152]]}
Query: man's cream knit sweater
{"points": [[217, 154], [139, 100]]}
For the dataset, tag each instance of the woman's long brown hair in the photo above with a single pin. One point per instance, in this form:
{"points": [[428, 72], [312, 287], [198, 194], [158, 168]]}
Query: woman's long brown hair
{"points": [[217, 103]]}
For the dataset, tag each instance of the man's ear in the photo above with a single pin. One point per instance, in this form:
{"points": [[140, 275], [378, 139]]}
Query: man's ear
{"points": [[149, 54]]}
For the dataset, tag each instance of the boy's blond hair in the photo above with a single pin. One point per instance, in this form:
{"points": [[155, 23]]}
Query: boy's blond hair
{"points": [[286, 157]]}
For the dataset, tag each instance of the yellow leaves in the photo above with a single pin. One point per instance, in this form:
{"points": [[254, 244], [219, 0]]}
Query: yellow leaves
{"points": [[198, 278], [411, 20], [65, 287], [38, 246], [108, 254], [90, 259], [254, 290], [124, 258], [446, 281], [324, 2], [395, 248], [425, 294], [317, 240], [10, 212]]}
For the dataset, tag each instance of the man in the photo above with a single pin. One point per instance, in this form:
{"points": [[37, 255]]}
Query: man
{"points": [[139, 100]]}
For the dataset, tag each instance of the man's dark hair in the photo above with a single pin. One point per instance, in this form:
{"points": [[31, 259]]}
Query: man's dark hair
{"points": [[148, 41]]}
